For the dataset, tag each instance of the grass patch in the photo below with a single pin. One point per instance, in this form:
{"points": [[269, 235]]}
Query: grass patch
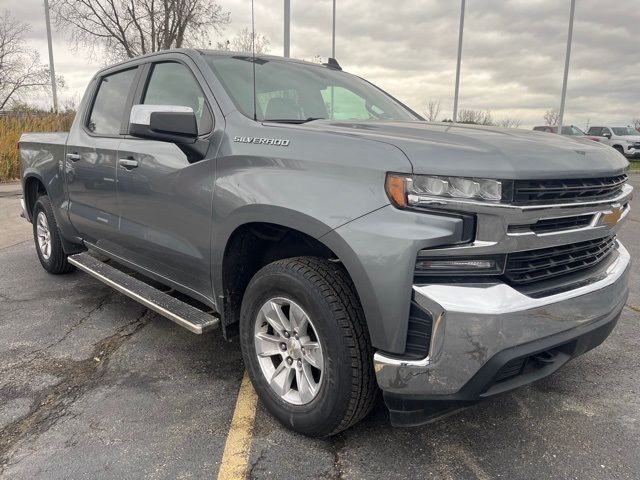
{"points": [[12, 126], [635, 166]]}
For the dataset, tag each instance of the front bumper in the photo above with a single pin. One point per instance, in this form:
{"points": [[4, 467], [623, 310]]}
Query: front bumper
{"points": [[632, 152], [478, 329]]}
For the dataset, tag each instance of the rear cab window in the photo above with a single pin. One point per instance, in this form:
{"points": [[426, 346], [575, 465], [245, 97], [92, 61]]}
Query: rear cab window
{"points": [[109, 103]]}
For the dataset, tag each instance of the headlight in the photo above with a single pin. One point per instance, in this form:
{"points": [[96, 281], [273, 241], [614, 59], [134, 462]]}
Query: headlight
{"points": [[408, 190]]}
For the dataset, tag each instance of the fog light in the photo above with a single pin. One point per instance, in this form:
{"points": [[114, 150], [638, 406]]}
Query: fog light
{"points": [[490, 265], [455, 264]]}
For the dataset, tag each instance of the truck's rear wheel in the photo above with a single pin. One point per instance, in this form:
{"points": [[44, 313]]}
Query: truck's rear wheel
{"points": [[47, 238], [306, 346]]}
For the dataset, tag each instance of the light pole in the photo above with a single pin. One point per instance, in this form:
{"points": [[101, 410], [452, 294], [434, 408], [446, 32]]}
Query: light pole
{"points": [[333, 36], [52, 69], [287, 21], [457, 87], [567, 58]]}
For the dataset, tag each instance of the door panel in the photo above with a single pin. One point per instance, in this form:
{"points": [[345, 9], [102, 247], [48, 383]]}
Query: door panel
{"points": [[165, 206], [91, 159], [165, 196], [91, 182]]}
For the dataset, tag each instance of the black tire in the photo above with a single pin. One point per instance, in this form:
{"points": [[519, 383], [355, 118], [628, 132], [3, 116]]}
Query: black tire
{"points": [[56, 262], [323, 289], [619, 148]]}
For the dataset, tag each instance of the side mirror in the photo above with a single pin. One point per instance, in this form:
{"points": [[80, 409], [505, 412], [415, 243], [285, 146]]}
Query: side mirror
{"points": [[167, 123], [607, 135]]}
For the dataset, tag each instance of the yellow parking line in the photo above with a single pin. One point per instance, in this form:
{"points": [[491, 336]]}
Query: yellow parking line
{"points": [[238, 446], [471, 462]]}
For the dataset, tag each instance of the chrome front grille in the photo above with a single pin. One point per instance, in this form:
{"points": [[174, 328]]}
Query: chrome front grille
{"points": [[524, 268], [548, 225], [540, 192]]}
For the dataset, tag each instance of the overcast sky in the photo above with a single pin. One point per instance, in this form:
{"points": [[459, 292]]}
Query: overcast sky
{"points": [[512, 62]]}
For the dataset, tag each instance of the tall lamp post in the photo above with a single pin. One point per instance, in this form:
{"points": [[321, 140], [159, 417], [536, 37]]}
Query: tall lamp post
{"points": [[457, 87], [567, 58], [333, 33], [287, 21], [52, 69]]}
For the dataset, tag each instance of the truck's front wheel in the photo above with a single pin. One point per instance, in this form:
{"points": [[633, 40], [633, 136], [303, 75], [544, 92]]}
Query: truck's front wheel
{"points": [[306, 346], [47, 238]]}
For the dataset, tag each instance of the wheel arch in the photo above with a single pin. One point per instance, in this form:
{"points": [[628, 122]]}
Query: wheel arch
{"points": [[33, 187], [236, 257]]}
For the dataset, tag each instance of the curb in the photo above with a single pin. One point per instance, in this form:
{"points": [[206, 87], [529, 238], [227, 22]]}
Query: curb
{"points": [[10, 189]]}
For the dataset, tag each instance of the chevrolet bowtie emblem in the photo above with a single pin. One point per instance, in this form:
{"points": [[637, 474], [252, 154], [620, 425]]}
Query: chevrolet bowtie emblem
{"points": [[612, 217]]}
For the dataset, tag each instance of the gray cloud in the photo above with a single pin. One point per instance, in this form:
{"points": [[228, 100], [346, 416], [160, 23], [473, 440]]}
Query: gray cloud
{"points": [[513, 53]]}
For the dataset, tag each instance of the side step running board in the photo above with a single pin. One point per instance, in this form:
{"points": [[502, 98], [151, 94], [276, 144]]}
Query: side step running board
{"points": [[176, 310]]}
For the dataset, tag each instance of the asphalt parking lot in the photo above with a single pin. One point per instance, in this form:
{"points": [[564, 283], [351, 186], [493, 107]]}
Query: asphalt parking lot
{"points": [[92, 385]]}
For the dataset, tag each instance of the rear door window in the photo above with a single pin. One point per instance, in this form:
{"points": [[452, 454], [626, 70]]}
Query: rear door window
{"points": [[110, 101]]}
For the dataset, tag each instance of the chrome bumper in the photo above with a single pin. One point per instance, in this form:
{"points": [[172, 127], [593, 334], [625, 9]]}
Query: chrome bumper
{"points": [[632, 152], [474, 322]]}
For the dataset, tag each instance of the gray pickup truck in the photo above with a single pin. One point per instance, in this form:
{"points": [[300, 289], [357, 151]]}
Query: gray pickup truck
{"points": [[349, 245]]}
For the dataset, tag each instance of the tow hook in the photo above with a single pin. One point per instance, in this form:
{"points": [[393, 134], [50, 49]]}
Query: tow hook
{"points": [[544, 358]]}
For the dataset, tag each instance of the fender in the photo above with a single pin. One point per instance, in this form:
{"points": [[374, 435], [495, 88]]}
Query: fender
{"points": [[256, 214]]}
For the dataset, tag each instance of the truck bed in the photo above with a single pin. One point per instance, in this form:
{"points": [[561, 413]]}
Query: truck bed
{"points": [[35, 146]]}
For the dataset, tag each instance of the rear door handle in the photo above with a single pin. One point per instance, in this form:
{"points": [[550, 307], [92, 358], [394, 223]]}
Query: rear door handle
{"points": [[128, 163], [74, 157]]}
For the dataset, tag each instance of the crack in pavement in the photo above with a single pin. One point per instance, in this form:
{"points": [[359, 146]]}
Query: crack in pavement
{"points": [[100, 304], [633, 307], [78, 377], [255, 463], [33, 355], [336, 444]]}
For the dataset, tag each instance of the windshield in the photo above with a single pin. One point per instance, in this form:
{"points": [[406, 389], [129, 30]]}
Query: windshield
{"points": [[288, 91], [572, 131], [625, 131]]}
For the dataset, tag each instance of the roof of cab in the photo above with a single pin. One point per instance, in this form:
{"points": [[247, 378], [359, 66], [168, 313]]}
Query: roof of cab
{"points": [[192, 52]]}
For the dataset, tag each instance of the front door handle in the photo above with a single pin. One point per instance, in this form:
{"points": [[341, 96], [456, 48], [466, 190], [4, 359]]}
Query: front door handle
{"points": [[74, 157], [128, 163]]}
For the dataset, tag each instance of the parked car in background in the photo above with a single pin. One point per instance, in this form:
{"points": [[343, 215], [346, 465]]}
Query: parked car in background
{"points": [[569, 130], [623, 138]]}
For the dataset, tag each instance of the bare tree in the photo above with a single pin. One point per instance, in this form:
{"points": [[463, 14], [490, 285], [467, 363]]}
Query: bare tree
{"points": [[225, 46], [477, 117], [125, 29], [636, 123], [433, 110], [20, 69], [315, 59], [552, 117], [509, 122], [242, 42]]}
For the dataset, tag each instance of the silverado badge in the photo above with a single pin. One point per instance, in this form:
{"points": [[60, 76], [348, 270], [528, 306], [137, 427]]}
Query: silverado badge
{"points": [[278, 142]]}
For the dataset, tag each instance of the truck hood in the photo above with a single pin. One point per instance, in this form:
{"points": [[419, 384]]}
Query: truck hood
{"points": [[470, 150]]}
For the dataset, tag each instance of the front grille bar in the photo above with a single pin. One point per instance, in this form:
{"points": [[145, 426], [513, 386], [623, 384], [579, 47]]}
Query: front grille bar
{"points": [[533, 192], [542, 264]]}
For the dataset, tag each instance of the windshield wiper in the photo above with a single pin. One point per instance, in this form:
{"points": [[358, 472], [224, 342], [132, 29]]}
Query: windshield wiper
{"points": [[292, 120]]}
